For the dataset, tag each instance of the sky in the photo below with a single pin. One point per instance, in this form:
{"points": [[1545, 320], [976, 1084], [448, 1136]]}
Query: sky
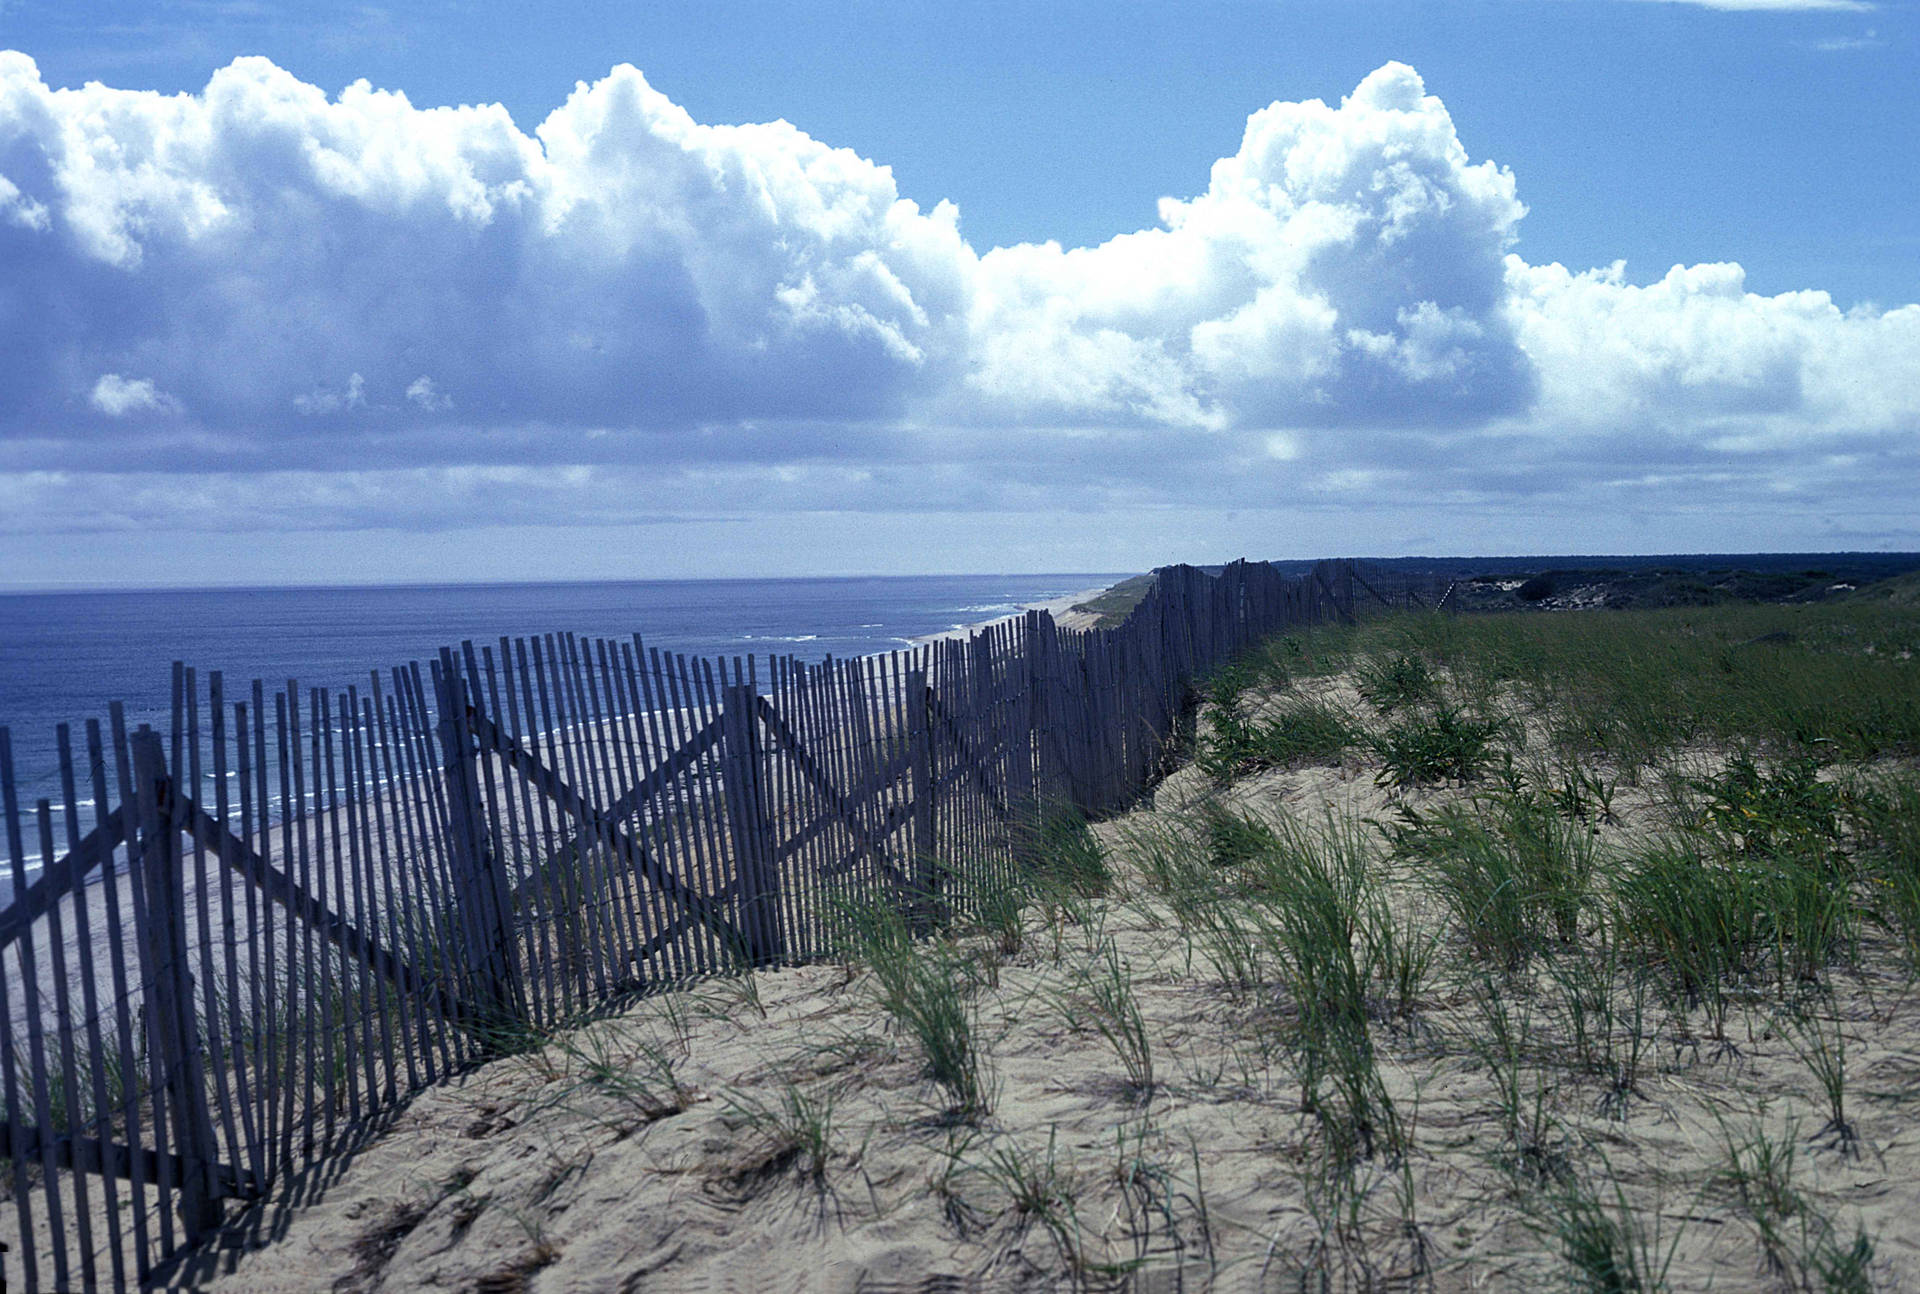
{"points": [[342, 293]]}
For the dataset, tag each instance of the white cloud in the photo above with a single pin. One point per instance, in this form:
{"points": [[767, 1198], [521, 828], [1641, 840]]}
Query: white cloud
{"points": [[326, 399], [644, 314], [422, 392], [118, 397], [1778, 6], [1290, 290], [1849, 44], [1699, 357]]}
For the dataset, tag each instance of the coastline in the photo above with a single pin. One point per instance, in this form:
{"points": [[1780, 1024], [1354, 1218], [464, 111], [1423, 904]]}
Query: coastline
{"points": [[1060, 608]]}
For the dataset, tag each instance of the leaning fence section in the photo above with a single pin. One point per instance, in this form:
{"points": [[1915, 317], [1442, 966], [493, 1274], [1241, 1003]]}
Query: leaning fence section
{"points": [[295, 906]]}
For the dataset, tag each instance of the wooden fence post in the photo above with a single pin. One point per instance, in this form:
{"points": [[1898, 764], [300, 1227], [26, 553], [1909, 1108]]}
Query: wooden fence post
{"points": [[173, 1027], [750, 826], [925, 902], [1041, 770], [481, 910]]}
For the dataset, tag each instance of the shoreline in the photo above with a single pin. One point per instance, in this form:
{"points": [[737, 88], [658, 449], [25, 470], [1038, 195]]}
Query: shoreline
{"points": [[1060, 608]]}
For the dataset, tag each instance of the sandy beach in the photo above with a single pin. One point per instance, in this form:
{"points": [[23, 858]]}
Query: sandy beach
{"points": [[1060, 608], [777, 1130]]}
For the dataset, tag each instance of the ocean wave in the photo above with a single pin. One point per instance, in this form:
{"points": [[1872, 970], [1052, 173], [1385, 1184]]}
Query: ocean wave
{"points": [[780, 638]]}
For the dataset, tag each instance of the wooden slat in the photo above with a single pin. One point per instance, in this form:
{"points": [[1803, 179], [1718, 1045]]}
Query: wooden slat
{"points": [[566, 871], [676, 721], [112, 1160], [389, 827], [618, 758], [795, 895], [398, 1013], [569, 736], [82, 1211], [647, 713], [216, 1033], [148, 1244], [417, 861], [605, 833], [242, 1009], [622, 887], [37, 1077], [376, 1034], [541, 980], [83, 938], [559, 947]]}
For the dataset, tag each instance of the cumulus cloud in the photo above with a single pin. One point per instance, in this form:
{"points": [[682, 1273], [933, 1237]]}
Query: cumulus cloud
{"points": [[1345, 265], [624, 265], [629, 309], [118, 396]]}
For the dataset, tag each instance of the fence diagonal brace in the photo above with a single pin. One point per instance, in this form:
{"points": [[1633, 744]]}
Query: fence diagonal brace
{"points": [[666, 774], [1320, 577], [971, 761], [65, 876], [1361, 581], [843, 806], [289, 894], [640, 859], [896, 817], [635, 799]]}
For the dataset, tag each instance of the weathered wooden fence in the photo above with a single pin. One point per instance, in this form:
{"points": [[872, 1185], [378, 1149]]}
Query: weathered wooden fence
{"points": [[292, 908]]}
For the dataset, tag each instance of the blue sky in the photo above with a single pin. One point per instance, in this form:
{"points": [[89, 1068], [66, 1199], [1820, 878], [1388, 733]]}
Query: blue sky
{"points": [[364, 340]]}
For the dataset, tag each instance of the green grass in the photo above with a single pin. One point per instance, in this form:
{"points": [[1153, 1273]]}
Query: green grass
{"points": [[1064, 858], [1884, 823], [1515, 877], [1608, 1245], [1114, 1012], [926, 988], [1314, 884], [1389, 682], [1843, 682], [1297, 731], [1434, 743], [794, 1130]]}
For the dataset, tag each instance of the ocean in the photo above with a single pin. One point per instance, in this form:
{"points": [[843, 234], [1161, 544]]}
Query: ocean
{"points": [[64, 656]]}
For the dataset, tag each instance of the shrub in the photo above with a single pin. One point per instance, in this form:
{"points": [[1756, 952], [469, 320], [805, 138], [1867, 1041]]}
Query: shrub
{"points": [[1760, 813], [1439, 743], [1389, 682], [1303, 730]]}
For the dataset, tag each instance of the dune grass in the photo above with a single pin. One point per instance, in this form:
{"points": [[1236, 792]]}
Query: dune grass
{"points": [[1530, 951]]}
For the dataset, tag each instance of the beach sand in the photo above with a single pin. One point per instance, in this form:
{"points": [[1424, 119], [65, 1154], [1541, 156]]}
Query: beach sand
{"points": [[229, 913], [661, 1149], [1060, 608]]}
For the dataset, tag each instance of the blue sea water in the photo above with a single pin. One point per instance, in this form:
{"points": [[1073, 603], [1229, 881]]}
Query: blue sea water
{"points": [[64, 656]]}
